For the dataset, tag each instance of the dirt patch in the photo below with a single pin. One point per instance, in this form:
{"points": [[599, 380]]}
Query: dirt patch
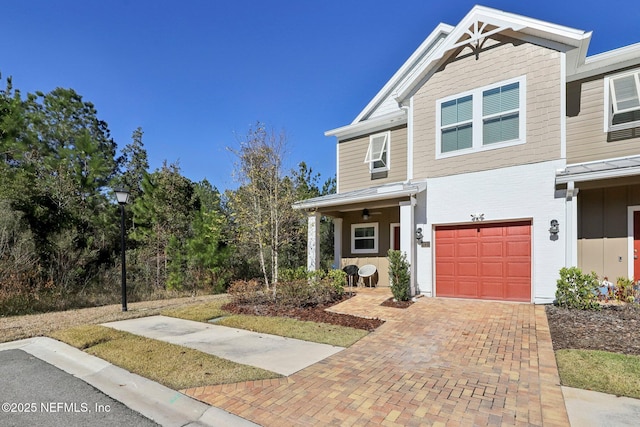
{"points": [[613, 329], [313, 314]]}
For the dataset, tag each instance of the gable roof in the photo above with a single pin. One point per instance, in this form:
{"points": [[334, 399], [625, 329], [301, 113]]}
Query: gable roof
{"points": [[480, 23]]}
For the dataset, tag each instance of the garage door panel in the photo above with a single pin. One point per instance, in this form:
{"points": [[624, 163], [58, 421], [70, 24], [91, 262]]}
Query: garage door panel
{"points": [[492, 289], [518, 248], [446, 288], [446, 268], [467, 269], [467, 288], [466, 249], [491, 232], [492, 269], [446, 249], [488, 261], [518, 269], [488, 249]]}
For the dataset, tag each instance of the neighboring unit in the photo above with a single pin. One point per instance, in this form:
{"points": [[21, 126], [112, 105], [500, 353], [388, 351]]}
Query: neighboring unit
{"points": [[496, 155]]}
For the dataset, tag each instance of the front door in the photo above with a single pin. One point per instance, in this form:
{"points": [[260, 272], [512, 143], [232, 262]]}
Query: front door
{"points": [[636, 245]]}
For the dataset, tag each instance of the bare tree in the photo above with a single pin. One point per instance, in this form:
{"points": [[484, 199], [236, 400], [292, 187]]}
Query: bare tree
{"points": [[262, 204]]}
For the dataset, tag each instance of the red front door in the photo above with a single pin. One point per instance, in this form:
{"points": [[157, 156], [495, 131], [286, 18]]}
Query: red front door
{"points": [[636, 245]]}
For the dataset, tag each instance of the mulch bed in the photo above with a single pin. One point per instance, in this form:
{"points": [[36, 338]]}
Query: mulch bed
{"points": [[396, 304], [313, 314], [615, 328]]}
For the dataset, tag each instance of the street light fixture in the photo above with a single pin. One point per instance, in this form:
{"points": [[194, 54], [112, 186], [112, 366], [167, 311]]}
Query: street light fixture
{"points": [[123, 199]]}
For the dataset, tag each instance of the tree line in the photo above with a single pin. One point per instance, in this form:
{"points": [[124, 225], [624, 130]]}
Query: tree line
{"points": [[59, 222]]}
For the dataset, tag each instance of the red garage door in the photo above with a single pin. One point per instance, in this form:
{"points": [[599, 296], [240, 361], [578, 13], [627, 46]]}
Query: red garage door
{"points": [[484, 261]]}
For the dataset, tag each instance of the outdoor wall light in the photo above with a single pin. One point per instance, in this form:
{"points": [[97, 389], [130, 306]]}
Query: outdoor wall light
{"points": [[555, 227], [419, 235], [365, 214]]}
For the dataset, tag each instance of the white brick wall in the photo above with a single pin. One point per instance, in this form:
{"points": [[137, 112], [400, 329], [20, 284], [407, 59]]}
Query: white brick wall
{"points": [[513, 193]]}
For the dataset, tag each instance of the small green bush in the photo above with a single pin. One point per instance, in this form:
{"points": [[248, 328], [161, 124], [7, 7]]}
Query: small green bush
{"points": [[399, 275], [577, 290], [289, 274], [624, 290]]}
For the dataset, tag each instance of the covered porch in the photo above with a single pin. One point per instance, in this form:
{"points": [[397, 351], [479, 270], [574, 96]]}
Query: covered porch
{"points": [[367, 223], [603, 215]]}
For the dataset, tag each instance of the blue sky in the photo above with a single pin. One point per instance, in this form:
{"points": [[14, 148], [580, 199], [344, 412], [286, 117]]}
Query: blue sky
{"points": [[195, 74]]}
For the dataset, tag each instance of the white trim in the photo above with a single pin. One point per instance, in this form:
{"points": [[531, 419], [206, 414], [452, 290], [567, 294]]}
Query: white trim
{"points": [[392, 235], [478, 118], [381, 193], [522, 27], [608, 102], [376, 237], [387, 121], [630, 261], [606, 62], [337, 167], [426, 48], [386, 150], [410, 140], [596, 175], [563, 105]]}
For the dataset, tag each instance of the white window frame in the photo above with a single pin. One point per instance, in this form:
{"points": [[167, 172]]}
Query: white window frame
{"points": [[477, 119], [371, 159], [609, 102], [376, 237]]}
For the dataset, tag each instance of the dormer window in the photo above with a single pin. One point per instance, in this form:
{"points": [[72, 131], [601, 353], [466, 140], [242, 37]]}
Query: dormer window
{"points": [[378, 152], [622, 101]]}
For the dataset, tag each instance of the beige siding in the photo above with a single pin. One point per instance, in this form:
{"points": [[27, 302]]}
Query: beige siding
{"points": [[602, 229], [502, 61], [383, 216], [586, 138], [353, 173], [380, 279]]}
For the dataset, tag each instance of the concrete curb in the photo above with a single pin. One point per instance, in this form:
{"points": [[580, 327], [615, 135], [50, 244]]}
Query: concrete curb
{"points": [[155, 401]]}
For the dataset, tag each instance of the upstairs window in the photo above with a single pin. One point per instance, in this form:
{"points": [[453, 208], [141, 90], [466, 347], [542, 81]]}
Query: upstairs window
{"points": [[622, 102], [378, 152], [457, 124], [482, 119], [501, 114]]}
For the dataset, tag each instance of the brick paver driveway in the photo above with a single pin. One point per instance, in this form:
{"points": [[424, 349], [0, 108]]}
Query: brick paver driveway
{"points": [[439, 362]]}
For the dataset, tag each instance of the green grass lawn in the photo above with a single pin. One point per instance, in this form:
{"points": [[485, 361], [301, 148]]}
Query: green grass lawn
{"points": [[179, 367], [172, 365], [611, 373], [285, 327]]}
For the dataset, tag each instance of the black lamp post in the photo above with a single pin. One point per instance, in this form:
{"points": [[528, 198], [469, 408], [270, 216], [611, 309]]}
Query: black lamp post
{"points": [[123, 199]]}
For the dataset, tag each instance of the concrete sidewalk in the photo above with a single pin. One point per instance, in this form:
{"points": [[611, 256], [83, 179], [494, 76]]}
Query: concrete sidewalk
{"points": [[284, 356], [158, 403]]}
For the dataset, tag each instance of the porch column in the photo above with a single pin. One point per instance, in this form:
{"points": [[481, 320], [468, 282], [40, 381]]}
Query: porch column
{"points": [[337, 242], [313, 241], [571, 233], [407, 238]]}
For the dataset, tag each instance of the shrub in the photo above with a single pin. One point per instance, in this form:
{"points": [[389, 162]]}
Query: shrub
{"points": [[301, 290], [399, 275], [289, 274], [624, 290], [577, 289], [248, 292]]}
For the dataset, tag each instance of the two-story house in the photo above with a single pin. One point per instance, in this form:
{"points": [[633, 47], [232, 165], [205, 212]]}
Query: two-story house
{"points": [[497, 154]]}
